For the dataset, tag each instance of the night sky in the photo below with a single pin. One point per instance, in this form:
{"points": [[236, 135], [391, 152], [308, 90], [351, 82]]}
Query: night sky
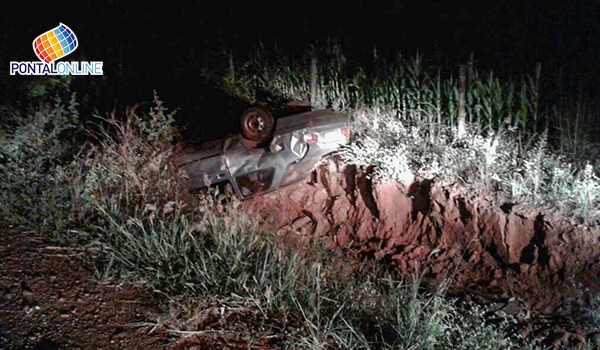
{"points": [[150, 46]]}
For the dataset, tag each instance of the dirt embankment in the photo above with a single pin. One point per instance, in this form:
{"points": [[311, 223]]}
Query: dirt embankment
{"points": [[444, 230]]}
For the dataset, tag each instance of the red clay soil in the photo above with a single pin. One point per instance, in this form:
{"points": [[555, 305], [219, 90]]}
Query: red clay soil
{"points": [[444, 230], [530, 264], [49, 301]]}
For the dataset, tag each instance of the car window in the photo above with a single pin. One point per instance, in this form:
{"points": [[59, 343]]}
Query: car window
{"points": [[255, 182]]}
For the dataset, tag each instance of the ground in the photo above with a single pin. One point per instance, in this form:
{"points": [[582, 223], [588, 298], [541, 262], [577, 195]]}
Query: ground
{"points": [[534, 265], [49, 300]]}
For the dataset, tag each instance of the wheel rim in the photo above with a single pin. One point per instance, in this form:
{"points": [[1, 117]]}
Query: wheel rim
{"points": [[255, 123]]}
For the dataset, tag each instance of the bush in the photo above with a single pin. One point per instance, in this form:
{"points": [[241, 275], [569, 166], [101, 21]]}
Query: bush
{"points": [[36, 168], [528, 174]]}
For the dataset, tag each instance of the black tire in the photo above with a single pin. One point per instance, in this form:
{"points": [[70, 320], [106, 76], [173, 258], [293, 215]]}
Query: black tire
{"points": [[257, 124]]}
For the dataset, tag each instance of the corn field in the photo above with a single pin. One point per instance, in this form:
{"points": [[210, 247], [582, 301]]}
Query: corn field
{"points": [[404, 117], [418, 93]]}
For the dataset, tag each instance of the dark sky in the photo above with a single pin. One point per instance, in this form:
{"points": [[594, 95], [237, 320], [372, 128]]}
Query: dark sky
{"points": [[513, 30], [150, 44]]}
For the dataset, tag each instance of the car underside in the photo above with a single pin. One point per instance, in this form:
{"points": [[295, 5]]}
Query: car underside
{"points": [[281, 156]]}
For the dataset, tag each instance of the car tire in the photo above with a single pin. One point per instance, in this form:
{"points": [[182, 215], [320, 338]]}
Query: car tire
{"points": [[257, 124]]}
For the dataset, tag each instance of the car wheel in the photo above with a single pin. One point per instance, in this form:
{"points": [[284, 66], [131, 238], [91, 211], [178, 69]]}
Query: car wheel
{"points": [[257, 124]]}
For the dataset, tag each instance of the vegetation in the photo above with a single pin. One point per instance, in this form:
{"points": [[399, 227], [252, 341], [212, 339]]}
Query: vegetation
{"points": [[123, 190], [35, 156], [404, 121], [152, 230], [593, 311]]}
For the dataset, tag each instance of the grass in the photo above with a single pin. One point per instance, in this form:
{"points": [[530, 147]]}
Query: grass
{"points": [[223, 258], [152, 230], [123, 189], [404, 121]]}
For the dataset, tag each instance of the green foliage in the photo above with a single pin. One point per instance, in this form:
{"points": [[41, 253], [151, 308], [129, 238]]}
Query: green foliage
{"points": [[542, 177], [35, 167], [45, 184], [404, 122], [408, 88], [214, 255], [375, 313], [151, 230], [158, 125]]}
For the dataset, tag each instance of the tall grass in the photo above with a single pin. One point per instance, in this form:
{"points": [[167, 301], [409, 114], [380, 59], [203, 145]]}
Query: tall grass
{"points": [[247, 270], [152, 230], [223, 258], [409, 88], [404, 121]]}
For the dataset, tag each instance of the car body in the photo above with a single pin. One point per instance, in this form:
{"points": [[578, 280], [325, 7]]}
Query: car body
{"points": [[298, 142]]}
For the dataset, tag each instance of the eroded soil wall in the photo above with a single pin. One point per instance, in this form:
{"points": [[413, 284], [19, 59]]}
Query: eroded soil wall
{"points": [[440, 228]]}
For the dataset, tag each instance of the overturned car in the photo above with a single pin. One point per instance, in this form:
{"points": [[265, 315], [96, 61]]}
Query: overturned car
{"points": [[269, 154]]}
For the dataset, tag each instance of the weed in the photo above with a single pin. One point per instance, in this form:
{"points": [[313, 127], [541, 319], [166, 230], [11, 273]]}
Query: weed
{"points": [[404, 122], [35, 167]]}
